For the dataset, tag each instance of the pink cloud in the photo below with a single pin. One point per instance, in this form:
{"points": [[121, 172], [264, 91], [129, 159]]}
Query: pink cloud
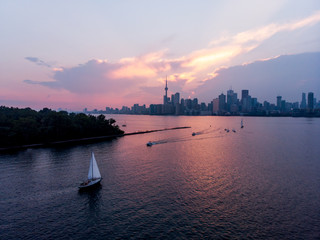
{"points": [[130, 79]]}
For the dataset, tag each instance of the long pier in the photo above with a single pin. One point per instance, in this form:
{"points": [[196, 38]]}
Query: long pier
{"points": [[85, 140]]}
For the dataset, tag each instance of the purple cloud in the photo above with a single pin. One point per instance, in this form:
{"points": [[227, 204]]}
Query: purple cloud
{"points": [[288, 75], [38, 61]]}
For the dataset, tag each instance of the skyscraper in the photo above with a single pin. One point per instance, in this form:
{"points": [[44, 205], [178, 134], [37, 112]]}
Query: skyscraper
{"points": [[215, 107], [195, 104], [245, 101], [222, 102], [303, 104], [229, 99], [188, 103], [176, 100], [279, 102], [244, 94], [310, 101]]}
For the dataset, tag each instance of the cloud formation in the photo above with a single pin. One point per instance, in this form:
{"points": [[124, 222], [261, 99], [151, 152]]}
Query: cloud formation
{"points": [[101, 76], [38, 61], [288, 75], [147, 73], [253, 37]]}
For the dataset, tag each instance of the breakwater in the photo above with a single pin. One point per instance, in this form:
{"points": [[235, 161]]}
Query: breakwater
{"points": [[85, 140]]}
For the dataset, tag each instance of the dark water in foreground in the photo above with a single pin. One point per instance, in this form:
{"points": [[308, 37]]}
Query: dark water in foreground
{"points": [[262, 182]]}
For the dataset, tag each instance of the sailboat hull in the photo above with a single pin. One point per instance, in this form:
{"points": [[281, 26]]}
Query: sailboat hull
{"points": [[90, 184]]}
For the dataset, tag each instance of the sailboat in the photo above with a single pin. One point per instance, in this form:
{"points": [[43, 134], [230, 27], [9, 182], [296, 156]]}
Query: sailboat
{"points": [[241, 123], [94, 176]]}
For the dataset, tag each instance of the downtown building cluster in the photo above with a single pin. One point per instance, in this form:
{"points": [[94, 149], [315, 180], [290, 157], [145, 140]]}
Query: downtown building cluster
{"points": [[224, 105]]}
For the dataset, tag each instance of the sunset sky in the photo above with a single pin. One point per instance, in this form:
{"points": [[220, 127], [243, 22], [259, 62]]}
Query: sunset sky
{"points": [[76, 54]]}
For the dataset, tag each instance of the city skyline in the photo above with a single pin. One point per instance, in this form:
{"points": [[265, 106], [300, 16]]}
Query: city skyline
{"points": [[222, 105], [80, 54]]}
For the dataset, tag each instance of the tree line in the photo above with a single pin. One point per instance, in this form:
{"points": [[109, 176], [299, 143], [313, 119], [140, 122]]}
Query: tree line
{"points": [[27, 126]]}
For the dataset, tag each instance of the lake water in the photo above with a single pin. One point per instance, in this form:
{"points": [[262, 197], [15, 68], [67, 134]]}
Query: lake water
{"points": [[260, 182]]}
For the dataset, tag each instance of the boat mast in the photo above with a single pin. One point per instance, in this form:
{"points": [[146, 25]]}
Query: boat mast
{"points": [[92, 164]]}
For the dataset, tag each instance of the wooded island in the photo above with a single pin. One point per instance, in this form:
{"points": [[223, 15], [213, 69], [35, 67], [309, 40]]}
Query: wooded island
{"points": [[26, 126]]}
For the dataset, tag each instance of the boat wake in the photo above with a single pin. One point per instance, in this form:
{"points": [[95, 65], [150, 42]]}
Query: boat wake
{"points": [[205, 134]]}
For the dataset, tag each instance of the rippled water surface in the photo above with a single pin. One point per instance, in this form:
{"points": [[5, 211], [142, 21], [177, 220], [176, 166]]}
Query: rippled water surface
{"points": [[260, 182]]}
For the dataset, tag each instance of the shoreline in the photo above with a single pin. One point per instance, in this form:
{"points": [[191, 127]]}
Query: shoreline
{"points": [[83, 140], [240, 115]]}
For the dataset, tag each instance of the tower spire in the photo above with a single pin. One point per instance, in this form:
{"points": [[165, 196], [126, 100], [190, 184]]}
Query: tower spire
{"points": [[166, 89], [166, 85]]}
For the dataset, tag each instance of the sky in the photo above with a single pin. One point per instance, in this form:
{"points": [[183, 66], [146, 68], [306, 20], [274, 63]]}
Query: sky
{"points": [[80, 54]]}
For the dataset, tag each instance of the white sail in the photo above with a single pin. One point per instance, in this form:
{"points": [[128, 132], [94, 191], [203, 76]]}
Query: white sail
{"points": [[93, 169]]}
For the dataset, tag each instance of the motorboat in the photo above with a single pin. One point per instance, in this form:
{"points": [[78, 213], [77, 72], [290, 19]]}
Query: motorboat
{"points": [[149, 144]]}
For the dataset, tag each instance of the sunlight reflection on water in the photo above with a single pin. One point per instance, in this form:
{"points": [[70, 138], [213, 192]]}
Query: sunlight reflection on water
{"points": [[262, 181]]}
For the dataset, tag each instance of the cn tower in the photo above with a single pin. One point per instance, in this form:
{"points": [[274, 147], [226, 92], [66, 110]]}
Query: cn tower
{"points": [[166, 89]]}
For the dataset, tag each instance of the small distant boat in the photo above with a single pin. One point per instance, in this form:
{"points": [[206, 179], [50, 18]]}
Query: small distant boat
{"points": [[193, 134], [149, 144], [124, 125], [226, 129], [94, 176], [241, 123], [233, 130]]}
